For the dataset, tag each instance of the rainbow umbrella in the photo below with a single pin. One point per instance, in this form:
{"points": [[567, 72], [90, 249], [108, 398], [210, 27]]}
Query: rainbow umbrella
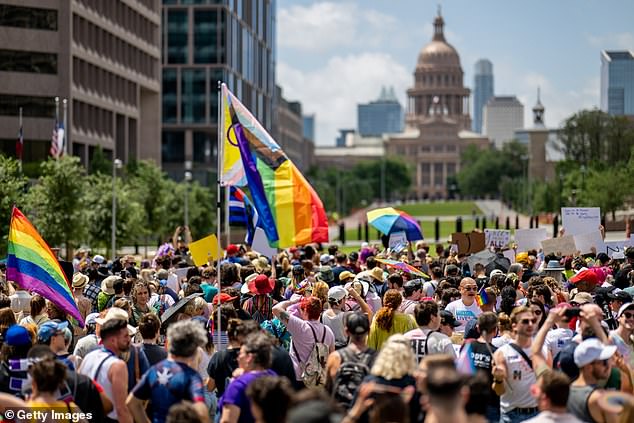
{"points": [[402, 266], [389, 220]]}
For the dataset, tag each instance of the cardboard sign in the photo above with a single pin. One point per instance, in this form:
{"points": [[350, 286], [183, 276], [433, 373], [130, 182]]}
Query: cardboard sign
{"points": [[580, 220], [617, 248], [564, 245], [397, 239], [509, 254], [585, 242], [498, 238], [261, 244], [205, 250], [530, 239], [468, 243]]}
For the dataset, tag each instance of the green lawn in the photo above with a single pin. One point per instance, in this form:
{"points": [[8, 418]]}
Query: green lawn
{"points": [[441, 208], [446, 229]]}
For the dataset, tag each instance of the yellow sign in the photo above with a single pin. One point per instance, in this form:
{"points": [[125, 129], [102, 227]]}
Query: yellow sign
{"points": [[205, 250]]}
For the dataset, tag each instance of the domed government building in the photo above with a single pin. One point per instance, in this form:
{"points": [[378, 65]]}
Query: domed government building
{"points": [[437, 122]]}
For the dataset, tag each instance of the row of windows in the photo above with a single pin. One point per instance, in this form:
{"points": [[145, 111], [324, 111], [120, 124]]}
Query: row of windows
{"points": [[439, 178], [28, 17], [173, 146], [126, 17], [196, 88], [40, 107], [32, 151], [92, 119], [439, 79], [28, 61], [102, 82], [105, 43], [414, 150]]}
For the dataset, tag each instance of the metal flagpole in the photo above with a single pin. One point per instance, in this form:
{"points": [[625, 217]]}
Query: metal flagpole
{"points": [[57, 152], [65, 144], [21, 141], [227, 225], [219, 153]]}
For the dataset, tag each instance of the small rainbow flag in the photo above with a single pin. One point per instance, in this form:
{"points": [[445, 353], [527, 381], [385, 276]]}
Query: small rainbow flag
{"points": [[34, 267], [482, 298]]}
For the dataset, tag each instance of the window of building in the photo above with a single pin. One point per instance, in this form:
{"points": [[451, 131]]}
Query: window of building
{"points": [[439, 179], [202, 146], [32, 106], [28, 61], [177, 36], [28, 17], [170, 104], [193, 95], [425, 170], [205, 36], [173, 146]]}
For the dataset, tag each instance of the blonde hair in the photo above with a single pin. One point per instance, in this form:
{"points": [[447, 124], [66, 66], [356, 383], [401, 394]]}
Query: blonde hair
{"points": [[395, 359], [320, 290], [195, 307]]}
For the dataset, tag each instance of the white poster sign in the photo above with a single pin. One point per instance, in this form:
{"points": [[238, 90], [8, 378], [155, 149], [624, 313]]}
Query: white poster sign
{"points": [[586, 242], [397, 239], [530, 239], [498, 238], [580, 220], [616, 247], [261, 244]]}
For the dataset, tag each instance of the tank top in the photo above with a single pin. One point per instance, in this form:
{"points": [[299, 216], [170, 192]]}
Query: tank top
{"points": [[91, 365], [335, 323], [520, 377], [578, 402]]}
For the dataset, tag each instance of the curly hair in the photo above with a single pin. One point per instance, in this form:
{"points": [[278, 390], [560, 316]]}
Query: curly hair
{"points": [[140, 284], [509, 296], [391, 302], [395, 359], [320, 290]]}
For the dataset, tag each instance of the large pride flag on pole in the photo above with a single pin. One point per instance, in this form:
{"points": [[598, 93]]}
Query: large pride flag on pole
{"points": [[34, 267], [290, 210]]}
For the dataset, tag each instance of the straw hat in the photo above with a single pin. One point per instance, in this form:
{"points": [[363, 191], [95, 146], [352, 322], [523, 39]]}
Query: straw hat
{"points": [[79, 280]]}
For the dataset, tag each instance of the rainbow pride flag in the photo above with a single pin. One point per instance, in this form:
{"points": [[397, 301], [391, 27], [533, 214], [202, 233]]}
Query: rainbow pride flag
{"points": [[290, 211], [34, 267], [482, 298]]}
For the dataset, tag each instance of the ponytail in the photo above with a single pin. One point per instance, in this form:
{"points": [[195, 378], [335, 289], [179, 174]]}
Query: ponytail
{"points": [[391, 302]]}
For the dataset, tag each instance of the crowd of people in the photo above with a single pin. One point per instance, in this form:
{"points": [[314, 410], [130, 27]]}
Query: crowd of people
{"points": [[315, 334]]}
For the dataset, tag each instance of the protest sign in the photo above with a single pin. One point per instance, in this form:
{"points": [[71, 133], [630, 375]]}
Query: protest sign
{"points": [[580, 220], [563, 245], [397, 239], [498, 238], [204, 250], [468, 243], [617, 248], [585, 242], [509, 254], [261, 244], [530, 239]]}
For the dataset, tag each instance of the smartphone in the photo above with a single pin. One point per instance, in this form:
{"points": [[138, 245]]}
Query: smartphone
{"points": [[572, 312]]}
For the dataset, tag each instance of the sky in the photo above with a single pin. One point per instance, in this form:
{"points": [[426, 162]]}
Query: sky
{"points": [[333, 55]]}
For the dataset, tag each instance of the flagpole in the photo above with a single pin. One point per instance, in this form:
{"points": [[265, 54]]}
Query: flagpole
{"points": [[57, 125], [218, 205], [65, 145], [21, 140], [227, 225]]}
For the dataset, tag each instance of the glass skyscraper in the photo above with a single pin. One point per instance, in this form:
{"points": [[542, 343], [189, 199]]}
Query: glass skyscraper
{"points": [[204, 41], [617, 82], [383, 116], [482, 91]]}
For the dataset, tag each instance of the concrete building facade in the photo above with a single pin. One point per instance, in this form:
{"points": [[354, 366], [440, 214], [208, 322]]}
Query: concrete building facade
{"points": [[102, 56], [617, 82], [482, 91], [205, 42], [437, 119], [503, 115]]}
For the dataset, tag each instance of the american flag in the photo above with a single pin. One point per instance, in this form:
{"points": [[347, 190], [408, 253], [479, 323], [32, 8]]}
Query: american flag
{"points": [[56, 141]]}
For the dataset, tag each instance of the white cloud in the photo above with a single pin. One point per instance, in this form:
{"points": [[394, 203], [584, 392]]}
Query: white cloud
{"points": [[323, 26], [333, 91], [614, 41]]}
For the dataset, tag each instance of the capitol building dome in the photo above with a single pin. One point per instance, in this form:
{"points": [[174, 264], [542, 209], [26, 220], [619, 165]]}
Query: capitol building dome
{"points": [[438, 52]]}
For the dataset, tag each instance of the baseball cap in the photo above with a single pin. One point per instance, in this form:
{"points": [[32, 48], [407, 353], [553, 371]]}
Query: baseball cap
{"points": [[622, 296], [585, 275], [17, 336], [592, 350], [446, 318], [223, 298], [582, 298], [116, 313], [232, 249], [98, 259], [326, 258], [91, 319], [623, 308], [496, 272], [413, 284], [345, 275], [451, 269], [357, 323], [50, 328], [337, 293]]}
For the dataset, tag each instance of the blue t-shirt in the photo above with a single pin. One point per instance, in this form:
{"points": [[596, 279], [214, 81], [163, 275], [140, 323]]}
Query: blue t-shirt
{"points": [[168, 383], [236, 394]]}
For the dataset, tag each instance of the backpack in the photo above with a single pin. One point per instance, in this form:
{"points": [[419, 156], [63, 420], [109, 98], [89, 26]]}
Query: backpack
{"points": [[352, 370], [314, 368], [260, 315]]}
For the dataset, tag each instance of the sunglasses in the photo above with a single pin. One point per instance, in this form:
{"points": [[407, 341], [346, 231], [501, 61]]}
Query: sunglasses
{"points": [[627, 314], [528, 321]]}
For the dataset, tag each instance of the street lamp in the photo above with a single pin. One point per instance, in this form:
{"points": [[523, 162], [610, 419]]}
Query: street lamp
{"points": [[116, 164], [188, 178]]}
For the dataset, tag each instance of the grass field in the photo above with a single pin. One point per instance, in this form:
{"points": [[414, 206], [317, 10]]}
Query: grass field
{"points": [[441, 208]]}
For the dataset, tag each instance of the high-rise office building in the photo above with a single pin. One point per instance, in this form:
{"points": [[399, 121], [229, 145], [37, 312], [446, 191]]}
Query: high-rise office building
{"points": [[204, 42], [617, 82], [382, 116], [102, 56], [502, 116], [482, 91], [309, 127]]}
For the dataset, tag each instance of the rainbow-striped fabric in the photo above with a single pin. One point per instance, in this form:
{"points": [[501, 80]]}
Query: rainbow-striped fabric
{"points": [[482, 298], [34, 267], [290, 210]]}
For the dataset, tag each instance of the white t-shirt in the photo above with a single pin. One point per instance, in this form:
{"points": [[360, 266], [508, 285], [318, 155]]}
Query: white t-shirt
{"points": [[463, 313], [429, 288], [555, 341], [438, 343], [550, 417]]}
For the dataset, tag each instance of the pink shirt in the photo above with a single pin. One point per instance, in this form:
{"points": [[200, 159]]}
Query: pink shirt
{"points": [[302, 340]]}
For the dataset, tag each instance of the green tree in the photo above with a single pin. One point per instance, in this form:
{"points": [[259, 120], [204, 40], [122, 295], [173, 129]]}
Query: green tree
{"points": [[12, 186], [201, 208], [100, 163], [608, 189], [56, 203], [396, 172]]}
